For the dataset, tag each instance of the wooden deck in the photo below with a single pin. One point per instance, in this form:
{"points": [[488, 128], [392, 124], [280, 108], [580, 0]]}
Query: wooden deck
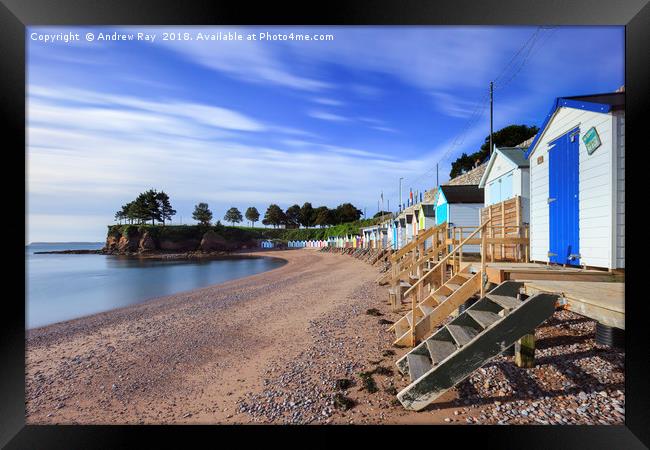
{"points": [[601, 301], [499, 272]]}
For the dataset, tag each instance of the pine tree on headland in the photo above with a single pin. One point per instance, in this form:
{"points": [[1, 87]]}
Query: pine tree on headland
{"points": [[202, 214], [293, 216], [252, 214], [347, 212], [324, 216], [274, 216], [233, 216], [306, 215], [166, 210]]}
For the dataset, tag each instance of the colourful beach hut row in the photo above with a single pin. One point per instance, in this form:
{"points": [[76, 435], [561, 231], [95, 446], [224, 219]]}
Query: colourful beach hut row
{"points": [[376, 236], [307, 244], [267, 244], [345, 241]]}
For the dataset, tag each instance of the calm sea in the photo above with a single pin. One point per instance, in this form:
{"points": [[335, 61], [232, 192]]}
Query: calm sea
{"points": [[63, 287]]}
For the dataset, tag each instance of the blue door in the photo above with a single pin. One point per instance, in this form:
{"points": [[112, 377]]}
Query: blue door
{"points": [[563, 199]]}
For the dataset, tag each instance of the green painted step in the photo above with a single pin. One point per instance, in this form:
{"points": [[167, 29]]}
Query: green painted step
{"points": [[419, 365], [483, 331], [439, 350], [504, 301], [462, 334], [483, 318]]}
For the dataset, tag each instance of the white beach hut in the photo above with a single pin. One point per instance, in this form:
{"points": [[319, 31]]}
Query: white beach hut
{"points": [[577, 183], [507, 176]]}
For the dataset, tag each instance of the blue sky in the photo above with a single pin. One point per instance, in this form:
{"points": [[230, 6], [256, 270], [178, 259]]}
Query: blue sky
{"points": [[248, 123]]}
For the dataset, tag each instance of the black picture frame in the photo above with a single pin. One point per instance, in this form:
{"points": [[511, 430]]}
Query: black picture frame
{"points": [[15, 15]]}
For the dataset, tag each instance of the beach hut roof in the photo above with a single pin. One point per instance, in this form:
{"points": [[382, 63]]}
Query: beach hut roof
{"points": [[517, 155], [602, 103], [462, 193]]}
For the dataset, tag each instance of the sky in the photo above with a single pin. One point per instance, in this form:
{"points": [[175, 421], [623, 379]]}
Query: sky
{"points": [[279, 120]]}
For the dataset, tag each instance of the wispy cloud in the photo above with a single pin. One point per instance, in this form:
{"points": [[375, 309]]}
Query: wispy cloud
{"points": [[330, 117], [114, 152], [244, 60], [328, 101]]}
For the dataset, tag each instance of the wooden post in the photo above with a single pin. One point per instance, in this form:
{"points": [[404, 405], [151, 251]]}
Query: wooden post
{"points": [[527, 248], [518, 212], [414, 297], [483, 257], [453, 245], [503, 228], [491, 235], [525, 351], [460, 253]]}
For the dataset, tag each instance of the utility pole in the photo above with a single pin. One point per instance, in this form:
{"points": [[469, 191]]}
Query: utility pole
{"points": [[437, 182], [400, 193], [491, 114]]}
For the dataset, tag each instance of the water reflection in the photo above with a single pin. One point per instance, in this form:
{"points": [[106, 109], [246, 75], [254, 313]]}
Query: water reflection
{"points": [[63, 287]]}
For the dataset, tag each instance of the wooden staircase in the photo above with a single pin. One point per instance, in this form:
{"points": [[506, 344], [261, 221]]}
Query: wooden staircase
{"points": [[483, 331], [408, 263], [437, 306]]}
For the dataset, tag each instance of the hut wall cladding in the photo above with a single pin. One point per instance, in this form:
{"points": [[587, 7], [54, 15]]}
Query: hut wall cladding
{"points": [[508, 213], [619, 119], [601, 220]]}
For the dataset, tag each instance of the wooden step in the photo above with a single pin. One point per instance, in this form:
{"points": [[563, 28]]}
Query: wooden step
{"points": [[462, 334], [465, 275], [453, 286], [439, 350], [439, 298], [418, 365], [459, 364], [505, 302], [409, 318], [483, 318], [426, 310]]}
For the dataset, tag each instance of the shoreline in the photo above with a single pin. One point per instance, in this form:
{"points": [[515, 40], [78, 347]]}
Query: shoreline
{"points": [[30, 332]]}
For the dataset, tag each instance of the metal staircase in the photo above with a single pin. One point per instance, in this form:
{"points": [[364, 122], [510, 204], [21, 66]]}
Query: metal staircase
{"points": [[483, 331]]}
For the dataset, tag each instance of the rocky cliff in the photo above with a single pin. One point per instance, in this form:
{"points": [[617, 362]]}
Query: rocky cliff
{"points": [[140, 240]]}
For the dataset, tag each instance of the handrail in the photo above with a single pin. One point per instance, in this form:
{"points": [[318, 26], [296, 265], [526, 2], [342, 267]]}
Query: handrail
{"points": [[454, 250], [411, 245], [425, 256]]}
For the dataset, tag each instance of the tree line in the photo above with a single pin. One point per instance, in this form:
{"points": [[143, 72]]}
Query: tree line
{"points": [[155, 206], [148, 206], [293, 217]]}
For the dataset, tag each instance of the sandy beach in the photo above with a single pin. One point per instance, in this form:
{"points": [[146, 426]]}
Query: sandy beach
{"points": [[269, 348]]}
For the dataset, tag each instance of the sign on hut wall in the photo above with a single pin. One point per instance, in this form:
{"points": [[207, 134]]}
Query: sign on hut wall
{"points": [[591, 140]]}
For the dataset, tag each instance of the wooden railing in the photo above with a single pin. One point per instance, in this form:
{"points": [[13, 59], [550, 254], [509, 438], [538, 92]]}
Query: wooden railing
{"points": [[507, 222], [416, 297], [444, 259], [419, 238]]}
